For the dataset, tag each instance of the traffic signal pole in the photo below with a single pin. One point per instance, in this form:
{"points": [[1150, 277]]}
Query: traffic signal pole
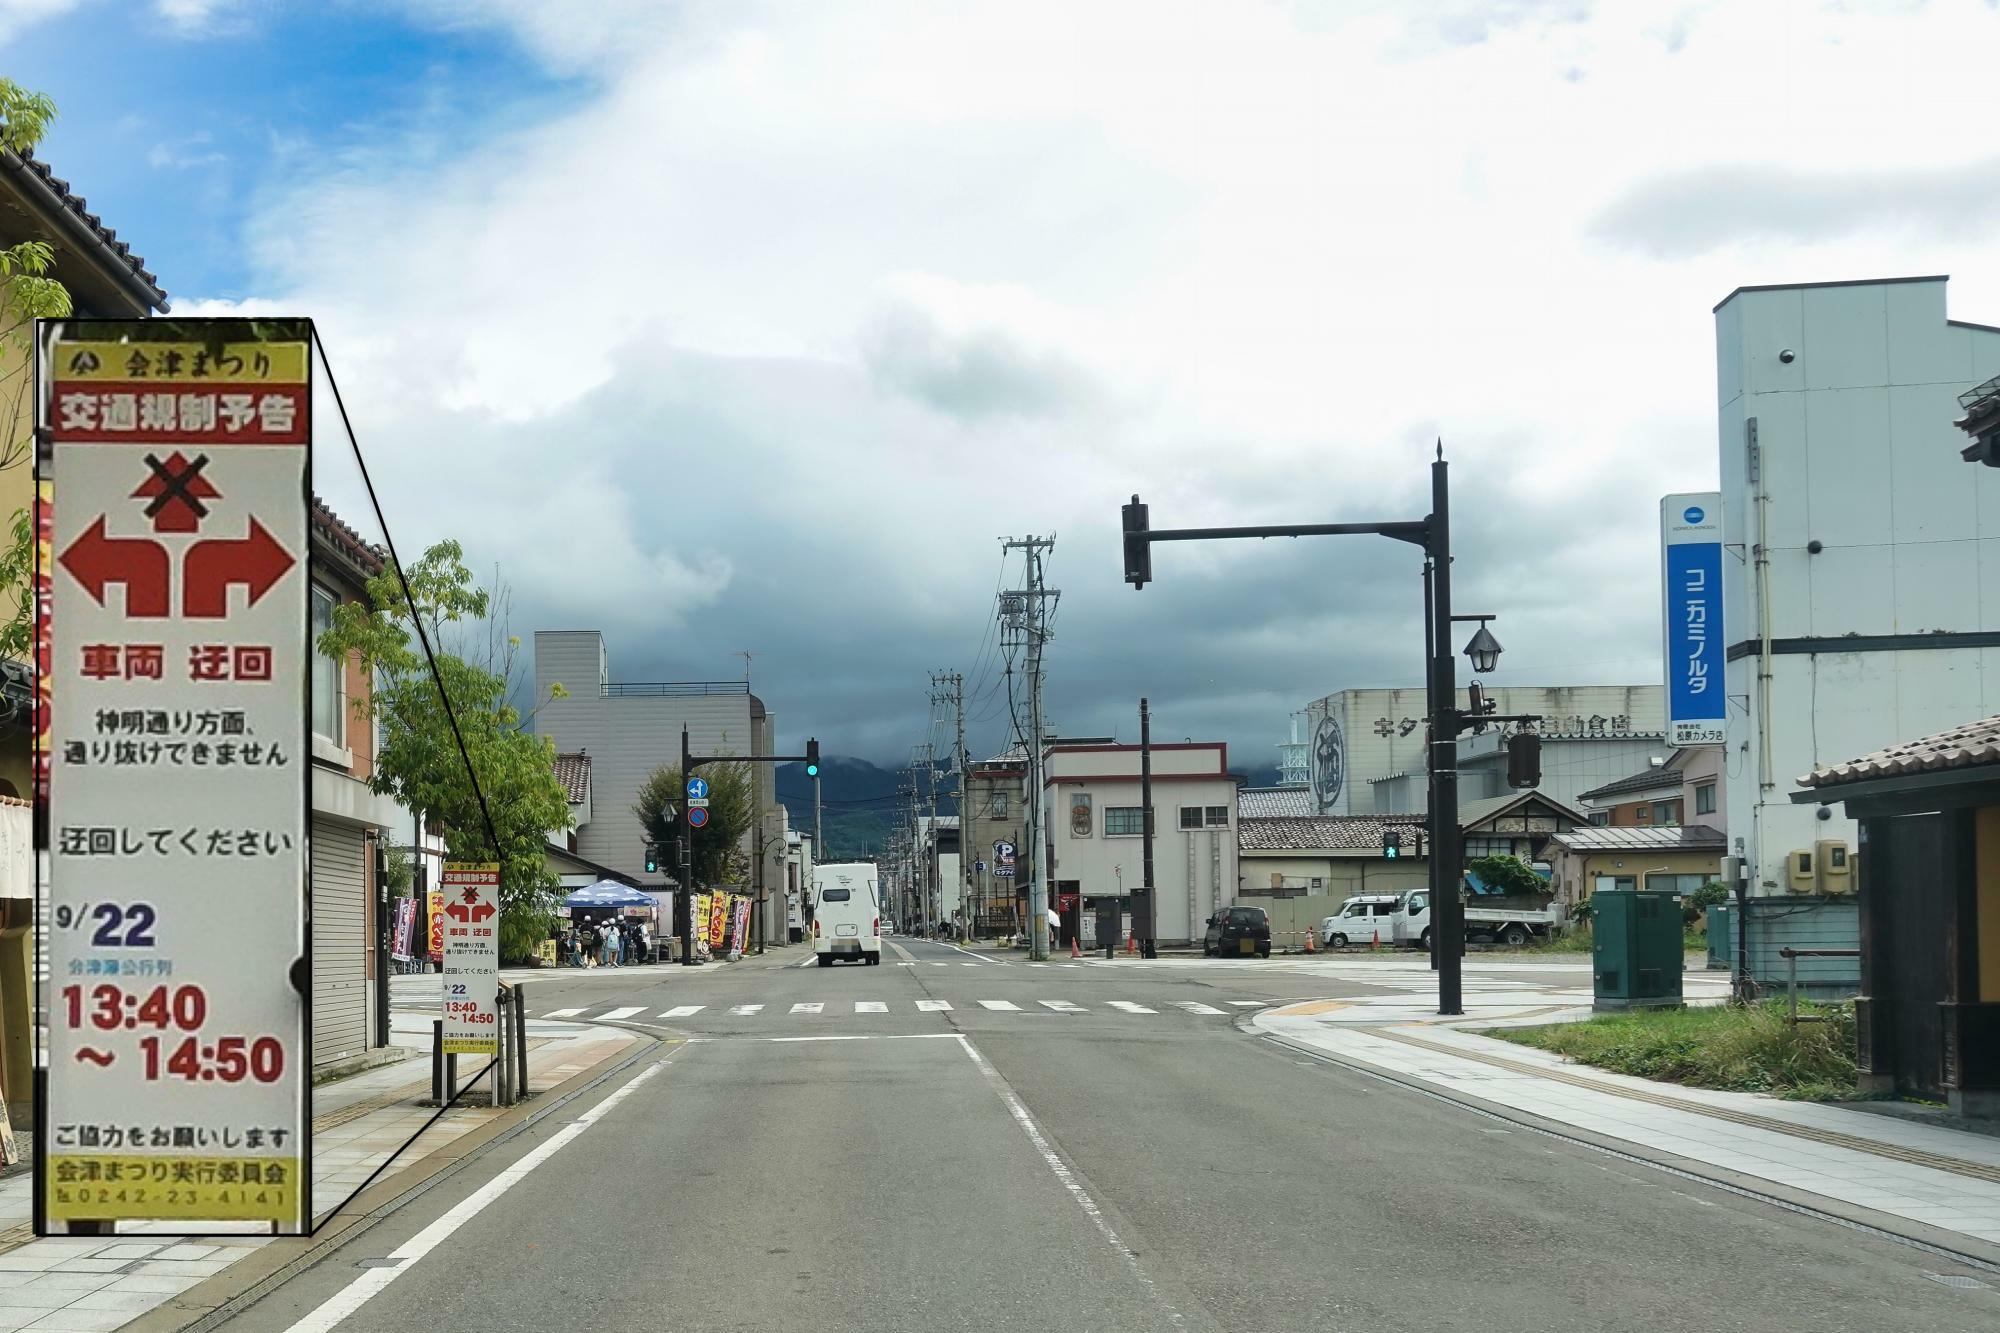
{"points": [[689, 763]]}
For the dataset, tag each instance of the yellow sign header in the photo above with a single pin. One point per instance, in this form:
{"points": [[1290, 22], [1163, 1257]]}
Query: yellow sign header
{"points": [[181, 362]]}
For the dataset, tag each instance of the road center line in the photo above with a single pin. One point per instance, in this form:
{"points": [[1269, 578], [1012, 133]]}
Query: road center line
{"points": [[358, 1292], [1026, 1120]]}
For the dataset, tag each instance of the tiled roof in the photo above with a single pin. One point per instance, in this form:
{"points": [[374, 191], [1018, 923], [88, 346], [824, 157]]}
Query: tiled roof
{"points": [[1651, 779], [573, 771], [1972, 745], [1478, 812], [1602, 838], [327, 525], [1313, 833], [1265, 802], [78, 206]]}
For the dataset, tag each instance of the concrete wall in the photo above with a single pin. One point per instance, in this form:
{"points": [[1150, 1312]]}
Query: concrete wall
{"points": [[627, 737], [1859, 454]]}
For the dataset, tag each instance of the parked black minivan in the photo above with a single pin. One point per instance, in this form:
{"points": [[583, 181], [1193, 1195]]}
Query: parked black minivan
{"points": [[1238, 930]]}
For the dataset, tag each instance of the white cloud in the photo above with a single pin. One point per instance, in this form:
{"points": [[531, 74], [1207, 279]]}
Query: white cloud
{"points": [[20, 15], [810, 303]]}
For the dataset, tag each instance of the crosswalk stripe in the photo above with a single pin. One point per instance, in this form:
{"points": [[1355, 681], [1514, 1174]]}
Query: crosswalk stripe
{"points": [[1250, 1004], [906, 965], [1196, 1007], [747, 1010], [682, 1011], [807, 1007], [970, 964], [870, 1007], [626, 1012], [933, 1006], [1131, 1008], [940, 964], [1062, 1006], [1000, 1004], [1038, 965], [563, 1013]]}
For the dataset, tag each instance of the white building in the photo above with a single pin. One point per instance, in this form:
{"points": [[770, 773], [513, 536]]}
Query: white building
{"points": [[1367, 748], [1840, 460], [1091, 804]]}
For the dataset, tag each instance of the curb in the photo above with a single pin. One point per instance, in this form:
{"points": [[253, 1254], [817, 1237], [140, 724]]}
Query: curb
{"points": [[223, 1296], [1946, 1244]]}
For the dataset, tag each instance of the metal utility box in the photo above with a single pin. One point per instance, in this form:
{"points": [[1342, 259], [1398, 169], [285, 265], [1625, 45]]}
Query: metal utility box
{"points": [[1636, 948]]}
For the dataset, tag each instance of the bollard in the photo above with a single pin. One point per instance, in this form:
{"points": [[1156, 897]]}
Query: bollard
{"points": [[520, 1045], [437, 1061], [497, 1067]]}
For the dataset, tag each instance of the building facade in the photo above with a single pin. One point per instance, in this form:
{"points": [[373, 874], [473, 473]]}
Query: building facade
{"points": [[1092, 812], [1367, 746], [629, 729], [1853, 539]]}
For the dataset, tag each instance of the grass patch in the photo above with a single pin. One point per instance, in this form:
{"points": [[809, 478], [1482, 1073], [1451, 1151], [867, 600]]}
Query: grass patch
{"points": [[1735, 1048], [1578, 939]]}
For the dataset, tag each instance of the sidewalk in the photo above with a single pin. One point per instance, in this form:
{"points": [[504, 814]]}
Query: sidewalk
{"points": [[88, 1283], [1924, 1182]]}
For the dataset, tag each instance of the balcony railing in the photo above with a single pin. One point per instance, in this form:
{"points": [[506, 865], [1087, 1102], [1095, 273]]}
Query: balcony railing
{"points": [[674, 689]]}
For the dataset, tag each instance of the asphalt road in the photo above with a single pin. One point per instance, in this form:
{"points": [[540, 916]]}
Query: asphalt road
{"points": [[1015, 1165]]}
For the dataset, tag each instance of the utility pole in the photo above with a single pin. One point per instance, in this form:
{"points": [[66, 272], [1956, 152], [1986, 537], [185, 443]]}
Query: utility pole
{"points": [[1031, 625], [948, 687], [1143, 911]]}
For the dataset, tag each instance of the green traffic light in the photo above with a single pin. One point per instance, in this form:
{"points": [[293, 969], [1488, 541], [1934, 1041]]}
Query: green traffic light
{"points": [[812, 770]]}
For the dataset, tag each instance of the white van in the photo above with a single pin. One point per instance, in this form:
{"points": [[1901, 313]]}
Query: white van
{"points": [[847, 916]]}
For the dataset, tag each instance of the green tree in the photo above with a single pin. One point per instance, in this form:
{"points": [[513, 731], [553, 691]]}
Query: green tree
{"points": [[1509, 874], [716, 856], [418, 761], [27, 293]]}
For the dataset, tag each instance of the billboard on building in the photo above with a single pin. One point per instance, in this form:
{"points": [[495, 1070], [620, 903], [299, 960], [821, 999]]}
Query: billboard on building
{"points": [[179, 1054], [1692, 635]]}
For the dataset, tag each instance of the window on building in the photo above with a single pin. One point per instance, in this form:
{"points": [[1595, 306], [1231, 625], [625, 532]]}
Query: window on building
{"points": [[1600, 817], [1666, 814], [1704, 799], [1318, 883], [1190, 816], [1681, 884], [996, 806], [326, 719], [1489, 847], [1123, 821], [1218, 816]]}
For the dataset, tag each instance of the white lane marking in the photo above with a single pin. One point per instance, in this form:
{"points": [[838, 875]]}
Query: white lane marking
{"points": [[940, 964], [1038, 965], [1000, 1004], [1062, 1006], [808, 1006], [563, 1013], [870, 1007], [1251, 1004], [972, 964], [1067, 1177], [357, 1293], [810, 960], [1130, 1007], [747, 1010], [1065, 964], [901, 952], [626, 1012], [1196, 1007], [906, 965], [873, 1036], [933, 1006], [683, 1011]]}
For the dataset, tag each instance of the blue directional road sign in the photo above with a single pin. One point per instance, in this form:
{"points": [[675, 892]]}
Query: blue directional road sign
{"points": [[697, 816], [698, 788]]}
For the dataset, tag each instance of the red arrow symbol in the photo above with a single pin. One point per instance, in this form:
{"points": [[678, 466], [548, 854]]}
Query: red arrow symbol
{"points": [[97, 561], [481, 912], [456, 911], [211, 566]]}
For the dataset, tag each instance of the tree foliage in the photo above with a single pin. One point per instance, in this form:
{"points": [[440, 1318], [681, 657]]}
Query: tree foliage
{"points": [[715, 857], [418, 759], [1509, 874]]}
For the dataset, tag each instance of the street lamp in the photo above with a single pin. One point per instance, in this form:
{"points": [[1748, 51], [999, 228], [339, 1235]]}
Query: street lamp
{"points": [[1484, 650]]}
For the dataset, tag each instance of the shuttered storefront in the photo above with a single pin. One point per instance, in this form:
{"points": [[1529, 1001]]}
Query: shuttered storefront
{"points": [[340, 943]]}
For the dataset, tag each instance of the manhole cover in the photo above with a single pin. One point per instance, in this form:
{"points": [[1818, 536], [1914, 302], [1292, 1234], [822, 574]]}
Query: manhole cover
{"points": [[1959, 1281]]}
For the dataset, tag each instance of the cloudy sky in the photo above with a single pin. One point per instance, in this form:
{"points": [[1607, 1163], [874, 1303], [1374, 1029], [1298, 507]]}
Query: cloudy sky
{"points": [[741, 326]]}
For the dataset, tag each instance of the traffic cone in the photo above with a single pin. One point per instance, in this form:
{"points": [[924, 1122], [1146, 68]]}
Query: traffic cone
{"points": [[1311, 943], [1131, 942], [1377, 942], [1074, 952]]}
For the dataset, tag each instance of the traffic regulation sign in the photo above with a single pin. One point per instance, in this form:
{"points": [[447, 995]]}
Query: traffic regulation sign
{"points": [[697, 815], [697, 789]]}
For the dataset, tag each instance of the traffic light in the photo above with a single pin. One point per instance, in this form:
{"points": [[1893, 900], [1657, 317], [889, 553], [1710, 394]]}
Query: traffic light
{"points": [[1138, 550], [1524, 760], [812, 759], [1392, 845], [652, 859]]}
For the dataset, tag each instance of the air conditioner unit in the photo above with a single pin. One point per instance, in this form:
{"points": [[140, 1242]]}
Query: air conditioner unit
{"points": [[1800, 872], [1836, 867]]}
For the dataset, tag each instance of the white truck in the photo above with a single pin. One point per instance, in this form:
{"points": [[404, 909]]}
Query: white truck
{"points": [[847, 914], [1405, 919]]}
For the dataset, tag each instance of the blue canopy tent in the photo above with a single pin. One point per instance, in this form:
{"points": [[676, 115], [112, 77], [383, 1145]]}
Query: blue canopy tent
{"points": [[608, 894]]}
